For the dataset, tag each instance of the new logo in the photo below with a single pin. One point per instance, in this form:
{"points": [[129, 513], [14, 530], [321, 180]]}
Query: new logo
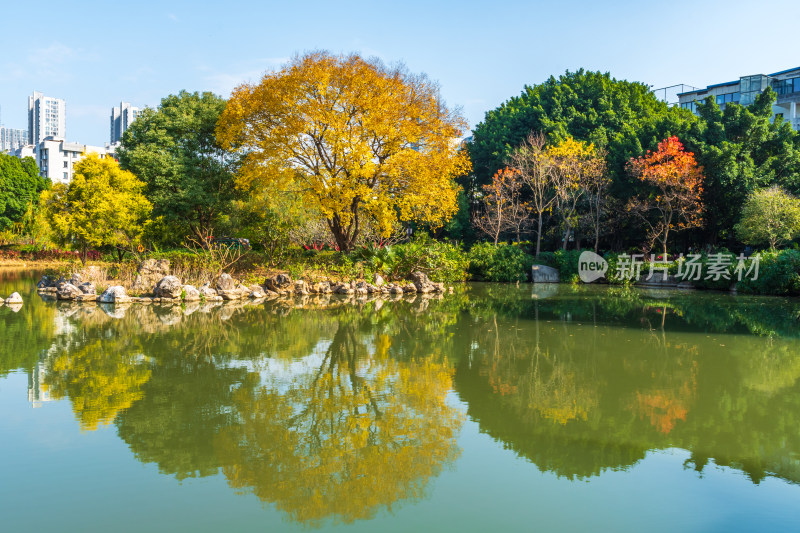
{"points": [[591, 267]]}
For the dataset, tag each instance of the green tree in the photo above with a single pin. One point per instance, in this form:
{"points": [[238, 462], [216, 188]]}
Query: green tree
{"points": [[189, 176], [769, 216], [741, 149], [102, 206], [20, 187], [618, 116]]}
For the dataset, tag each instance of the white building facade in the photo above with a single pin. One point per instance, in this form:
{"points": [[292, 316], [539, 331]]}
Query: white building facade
{"points": [[47, 117], [11, 139], [744, 91], [56, 158], [121, 119]]}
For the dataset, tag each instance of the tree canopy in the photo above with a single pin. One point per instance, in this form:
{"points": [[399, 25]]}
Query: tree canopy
{"points": [[769, 216], [103, 205], [360, 141], [189, 176], [20, 187]]}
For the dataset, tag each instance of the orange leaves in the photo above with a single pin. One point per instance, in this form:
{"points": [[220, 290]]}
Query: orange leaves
{"points": [[677, 181]]}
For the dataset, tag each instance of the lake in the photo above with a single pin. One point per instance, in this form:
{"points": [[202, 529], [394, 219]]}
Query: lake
{"points": [[497, 408]]}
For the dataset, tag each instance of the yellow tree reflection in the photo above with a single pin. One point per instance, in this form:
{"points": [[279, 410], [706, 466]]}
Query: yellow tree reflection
{"points": [[101, 377], [355, 433]]}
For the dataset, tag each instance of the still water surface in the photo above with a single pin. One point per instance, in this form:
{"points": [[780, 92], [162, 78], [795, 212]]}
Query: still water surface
{"points": [[495, 409]]}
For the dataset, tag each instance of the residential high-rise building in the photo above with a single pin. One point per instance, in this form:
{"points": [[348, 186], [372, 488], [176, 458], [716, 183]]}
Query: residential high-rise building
{"points": [[785, 83], [11, 139], [121, 118], [47, 117]]}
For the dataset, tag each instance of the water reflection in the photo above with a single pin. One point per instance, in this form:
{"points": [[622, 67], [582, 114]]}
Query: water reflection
{"points": [[335, 409]]}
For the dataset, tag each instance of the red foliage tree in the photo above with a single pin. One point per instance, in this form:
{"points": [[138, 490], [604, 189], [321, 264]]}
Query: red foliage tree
{"points": [[676, 186]]}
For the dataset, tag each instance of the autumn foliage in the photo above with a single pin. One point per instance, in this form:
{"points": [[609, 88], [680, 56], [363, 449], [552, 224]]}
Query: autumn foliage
{"points": [[674, 200], [360, 142]]}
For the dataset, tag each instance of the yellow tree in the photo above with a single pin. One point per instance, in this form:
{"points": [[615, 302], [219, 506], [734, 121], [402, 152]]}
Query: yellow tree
{"points": [[360, 141], [575, 165], [359, 433], [103, 205]]}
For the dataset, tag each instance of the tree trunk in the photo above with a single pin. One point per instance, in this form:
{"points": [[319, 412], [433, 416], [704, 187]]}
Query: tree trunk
{"points": [[539, 235]]}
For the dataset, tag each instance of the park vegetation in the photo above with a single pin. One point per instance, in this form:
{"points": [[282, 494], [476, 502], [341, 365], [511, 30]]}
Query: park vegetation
{"points": [[344, 166]]}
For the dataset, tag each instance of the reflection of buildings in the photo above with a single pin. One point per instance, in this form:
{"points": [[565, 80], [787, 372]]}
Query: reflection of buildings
{"points": [[37, 394]]}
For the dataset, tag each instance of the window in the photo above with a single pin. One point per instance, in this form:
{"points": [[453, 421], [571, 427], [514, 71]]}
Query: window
{"points": [[66, 165]]}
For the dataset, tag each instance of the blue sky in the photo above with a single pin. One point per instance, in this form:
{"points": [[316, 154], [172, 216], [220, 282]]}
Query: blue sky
{"points": [[95, 54]]}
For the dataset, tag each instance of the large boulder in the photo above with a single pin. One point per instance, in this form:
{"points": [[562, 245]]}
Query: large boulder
{"points": [[421, 282], [278, 283], [257, 292], [115, 294], [224, 282], [76, 279], [209, 294], [87, 288], [190, 293], [379, 281], [68, 291], [149, 272], [46, 282], [544, 274], [168, 287], [15, 298]]}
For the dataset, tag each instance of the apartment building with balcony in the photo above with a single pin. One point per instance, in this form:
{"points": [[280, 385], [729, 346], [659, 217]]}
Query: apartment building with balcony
{"points": [[785, 83]]}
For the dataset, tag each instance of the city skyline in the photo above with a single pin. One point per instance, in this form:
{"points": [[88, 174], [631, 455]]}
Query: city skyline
{"points": [[481, 55]]}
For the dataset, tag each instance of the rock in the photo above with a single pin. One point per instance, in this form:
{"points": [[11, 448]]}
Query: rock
{"points": [[68, 291], [278, 283], [15, 298], [87, 288], [410, 288], [224, 282], [76, 279], [342, 288], [378, 282], [209, 294], [149, 272], [244, 290], [395, 289], [15, 308], [168, 287], [59, 282], [45, 283], [115, 294], [322, 287], [256, 292], [544, 274], [83, 297], [438, 287], [190, 293], [421, 282], [372, 289]]}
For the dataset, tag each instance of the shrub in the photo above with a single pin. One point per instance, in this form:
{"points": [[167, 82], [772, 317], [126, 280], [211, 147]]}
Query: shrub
{"points": [[778, 274], [504, 262], [567, 263]]}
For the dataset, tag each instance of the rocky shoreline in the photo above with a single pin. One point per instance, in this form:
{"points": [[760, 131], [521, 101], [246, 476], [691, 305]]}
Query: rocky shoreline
{"points": [[168, 289]]}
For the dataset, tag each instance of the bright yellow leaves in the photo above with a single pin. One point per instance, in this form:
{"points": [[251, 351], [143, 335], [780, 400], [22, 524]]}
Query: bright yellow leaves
{"points": [[103, 205], [356, 139], [360, 433], [101, 378]]}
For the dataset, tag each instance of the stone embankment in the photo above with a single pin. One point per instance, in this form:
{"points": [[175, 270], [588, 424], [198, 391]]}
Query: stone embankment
{"points": [[166, 288]]}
